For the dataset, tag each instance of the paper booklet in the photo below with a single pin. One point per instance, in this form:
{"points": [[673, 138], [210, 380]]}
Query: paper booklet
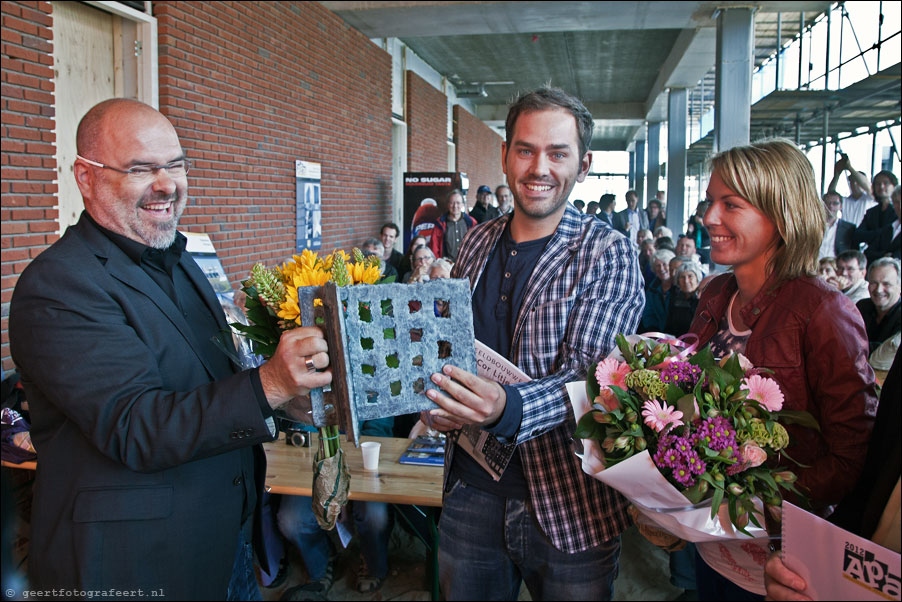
{"points": [[425, 451], [836, 564], [484, 447]]}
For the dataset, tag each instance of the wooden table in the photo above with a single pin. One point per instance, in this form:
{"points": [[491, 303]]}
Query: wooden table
{"points": [[289, 470]]}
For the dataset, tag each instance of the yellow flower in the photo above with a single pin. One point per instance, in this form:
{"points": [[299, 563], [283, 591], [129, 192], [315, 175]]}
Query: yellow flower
{"points": [[327, 262], [316, 277], [305, 277], [307, 260], [362, 273], [288, 270], [289, 309]]}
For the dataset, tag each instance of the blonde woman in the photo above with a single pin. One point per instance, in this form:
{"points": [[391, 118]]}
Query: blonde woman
{"points": [[766, 221]]}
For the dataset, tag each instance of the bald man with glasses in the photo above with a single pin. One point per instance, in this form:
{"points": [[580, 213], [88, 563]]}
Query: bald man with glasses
{"points": [[147, 436]]}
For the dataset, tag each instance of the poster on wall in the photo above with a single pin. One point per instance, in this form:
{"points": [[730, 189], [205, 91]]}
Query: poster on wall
{"points": [[309, 208], [201, 248], [425, 199], [203, 252]]}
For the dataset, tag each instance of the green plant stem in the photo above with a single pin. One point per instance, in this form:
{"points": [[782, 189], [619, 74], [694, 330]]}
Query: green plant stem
{"points": [[328, 436]]}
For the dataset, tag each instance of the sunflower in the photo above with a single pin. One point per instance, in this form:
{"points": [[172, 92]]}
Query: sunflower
{"points": [[327, 261], [305, 277], [361, 273], [289, 309], [307, 260]]}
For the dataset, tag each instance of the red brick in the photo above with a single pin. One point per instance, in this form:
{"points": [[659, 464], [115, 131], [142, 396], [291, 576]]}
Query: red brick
{"points": [[12, 174], [43, 227], [478, 151], [427, 132], [242, 118]]}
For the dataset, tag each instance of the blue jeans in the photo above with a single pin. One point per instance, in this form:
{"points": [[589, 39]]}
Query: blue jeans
{"points": [[243, 584], [488, 544], [275, 551], [682, 567], [371, 519]]}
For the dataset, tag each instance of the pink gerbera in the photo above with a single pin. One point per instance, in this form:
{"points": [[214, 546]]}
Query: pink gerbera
{"points": [[658, 415], [611, 372], [765, 391]]}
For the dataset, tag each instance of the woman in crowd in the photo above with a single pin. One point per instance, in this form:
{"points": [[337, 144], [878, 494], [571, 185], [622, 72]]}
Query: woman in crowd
{"points": [[683, 298], [766, 221], [654, 316], [422, 260], [826, 271], [655, 215], [407, 261]]}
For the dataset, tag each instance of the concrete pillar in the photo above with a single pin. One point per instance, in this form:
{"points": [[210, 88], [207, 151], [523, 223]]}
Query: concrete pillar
{"points": [[733, 77], [824, 154], [631, 176], [677, 117], [640, 167], [654, 162]]}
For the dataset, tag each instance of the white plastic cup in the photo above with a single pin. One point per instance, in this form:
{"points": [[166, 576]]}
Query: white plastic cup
{"points": [[370, 454]]}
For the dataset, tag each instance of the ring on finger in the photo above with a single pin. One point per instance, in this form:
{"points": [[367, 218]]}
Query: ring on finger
{"points": [[308, 361]]}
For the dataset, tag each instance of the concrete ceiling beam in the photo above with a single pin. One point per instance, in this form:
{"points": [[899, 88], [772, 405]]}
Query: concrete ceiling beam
{"points": [[612, 113], [442, 18]]}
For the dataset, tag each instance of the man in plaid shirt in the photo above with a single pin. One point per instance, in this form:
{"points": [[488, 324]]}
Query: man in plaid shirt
{"points": [[551, 289]]}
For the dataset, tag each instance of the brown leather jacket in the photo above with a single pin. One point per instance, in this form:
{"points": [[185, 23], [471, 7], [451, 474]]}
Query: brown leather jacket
{"points": [[814, 340]]}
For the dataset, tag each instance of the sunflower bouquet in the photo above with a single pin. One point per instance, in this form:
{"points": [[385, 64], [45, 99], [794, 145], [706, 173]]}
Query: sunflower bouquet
{"points": [[272, 307], [714, 430]]}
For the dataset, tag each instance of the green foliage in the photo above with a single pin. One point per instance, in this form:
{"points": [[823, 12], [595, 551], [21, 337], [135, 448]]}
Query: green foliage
{"points": [[729, 479], [263, 329], [588, 428], [795, 417]]}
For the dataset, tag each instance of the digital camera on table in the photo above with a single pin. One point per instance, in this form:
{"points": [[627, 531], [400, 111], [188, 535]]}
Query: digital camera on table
{"points": [[297, 437]]}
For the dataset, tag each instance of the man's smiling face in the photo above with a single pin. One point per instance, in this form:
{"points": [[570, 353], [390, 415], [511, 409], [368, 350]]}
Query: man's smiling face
{"points": [[542, 163]]}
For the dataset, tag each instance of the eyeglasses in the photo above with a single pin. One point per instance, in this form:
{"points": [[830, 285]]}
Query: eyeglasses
{"points": [[146, 173]]}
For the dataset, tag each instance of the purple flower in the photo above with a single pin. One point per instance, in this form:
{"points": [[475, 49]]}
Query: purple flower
{"points": [[683, 476], [716, 433], [680, 374], [695, 463], [666, 457]]}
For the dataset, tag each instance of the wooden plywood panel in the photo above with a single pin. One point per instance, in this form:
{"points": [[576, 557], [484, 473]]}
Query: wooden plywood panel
{"points": [[83, 65]]}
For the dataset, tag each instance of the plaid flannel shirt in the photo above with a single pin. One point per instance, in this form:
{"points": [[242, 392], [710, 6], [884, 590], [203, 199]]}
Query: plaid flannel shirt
{"points": [[585, 288]]}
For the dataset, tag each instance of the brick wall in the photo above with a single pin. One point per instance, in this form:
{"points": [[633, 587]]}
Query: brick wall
{"points": [[250, 87], [478, 150], [247, 100], [427, 126], [27, 190]]}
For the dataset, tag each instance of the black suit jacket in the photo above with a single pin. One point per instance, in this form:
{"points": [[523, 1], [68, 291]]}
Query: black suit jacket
{"points": [[141, 444], [885, 245], [844, 233]]}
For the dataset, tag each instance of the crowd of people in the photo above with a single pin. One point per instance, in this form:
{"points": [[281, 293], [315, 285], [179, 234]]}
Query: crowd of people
{"points": [[860, 256], [757, 255], [150, 469]]}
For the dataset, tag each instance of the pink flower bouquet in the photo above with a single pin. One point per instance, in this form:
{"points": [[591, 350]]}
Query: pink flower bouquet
{"points": [[713, 430]]}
